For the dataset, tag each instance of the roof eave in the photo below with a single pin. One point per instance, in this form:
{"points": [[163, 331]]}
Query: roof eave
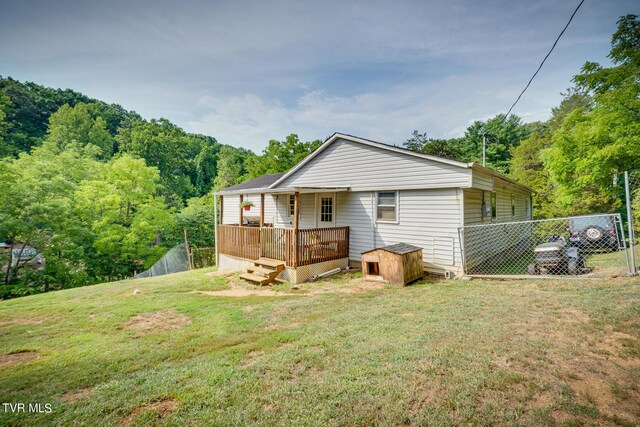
{"points": [[480, 168], [266, 190]]}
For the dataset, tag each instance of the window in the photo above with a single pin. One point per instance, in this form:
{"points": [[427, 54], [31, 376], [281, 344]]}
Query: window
{"points": [[292, 206], [494, 206], [489, 206], [528, 208], [326, 209], [513, 205], [387, 206]]}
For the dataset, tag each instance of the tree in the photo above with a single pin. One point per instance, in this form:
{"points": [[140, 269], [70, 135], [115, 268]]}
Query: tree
{"points": [[502, 136], [230, 167], [32, 105], [76, 125], [598, 141], [447, 148], [125, 215], [527, 165], [5, 126], [280, 156], [37, 198], [198, 219]]}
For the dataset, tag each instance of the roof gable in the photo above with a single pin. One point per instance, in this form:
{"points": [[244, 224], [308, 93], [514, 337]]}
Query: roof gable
{"points": [[370, 143]]}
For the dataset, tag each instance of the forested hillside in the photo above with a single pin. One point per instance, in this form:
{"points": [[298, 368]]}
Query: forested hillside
{"points": [[102, 192]]}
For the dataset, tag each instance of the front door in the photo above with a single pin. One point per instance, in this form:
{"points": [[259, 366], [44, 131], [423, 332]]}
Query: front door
{"points": [[326, 210]]}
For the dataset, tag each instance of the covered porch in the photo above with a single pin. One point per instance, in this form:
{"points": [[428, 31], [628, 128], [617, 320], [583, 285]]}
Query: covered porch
{"points": [[317, 247]]}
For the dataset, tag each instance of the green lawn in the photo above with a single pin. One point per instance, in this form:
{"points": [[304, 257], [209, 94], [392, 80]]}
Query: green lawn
{"points": [[331, 353]]}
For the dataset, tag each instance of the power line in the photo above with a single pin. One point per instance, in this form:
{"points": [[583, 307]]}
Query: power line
{"points": [[543, 61]]}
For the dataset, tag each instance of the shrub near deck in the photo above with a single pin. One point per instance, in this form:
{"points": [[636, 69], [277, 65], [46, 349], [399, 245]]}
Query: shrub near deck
{"points": [[440, 353]]}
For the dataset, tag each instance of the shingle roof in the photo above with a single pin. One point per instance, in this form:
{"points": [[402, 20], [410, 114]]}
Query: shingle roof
{"points": [[259, 182]]}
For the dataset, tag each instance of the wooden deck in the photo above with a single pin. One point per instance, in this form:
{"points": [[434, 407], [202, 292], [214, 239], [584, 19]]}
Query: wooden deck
{"points": [[308, 246]]}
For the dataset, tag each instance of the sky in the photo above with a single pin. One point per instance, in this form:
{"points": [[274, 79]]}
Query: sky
{"points": [[246, 72]]}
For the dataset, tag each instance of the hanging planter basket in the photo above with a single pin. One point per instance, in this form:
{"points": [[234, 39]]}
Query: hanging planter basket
{"points": [[246, 205]]}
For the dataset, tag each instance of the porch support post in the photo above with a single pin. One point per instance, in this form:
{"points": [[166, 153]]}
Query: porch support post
{"points": [[296, 214], [240, 210], [261, 210], [215, 225]]}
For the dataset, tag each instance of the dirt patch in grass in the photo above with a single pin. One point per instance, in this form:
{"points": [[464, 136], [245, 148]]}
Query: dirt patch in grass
{"points": [[573, 315], [158, 321], [16, 358], [250, 359], [73, 396], [243, 291], [220, 273], [23, 321], [595, 372], [162, 408]]}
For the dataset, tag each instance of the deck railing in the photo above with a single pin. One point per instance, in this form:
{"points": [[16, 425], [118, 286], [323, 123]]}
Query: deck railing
{"points": [[277, 243], [242, 242], [313, 245], [322, 244]]}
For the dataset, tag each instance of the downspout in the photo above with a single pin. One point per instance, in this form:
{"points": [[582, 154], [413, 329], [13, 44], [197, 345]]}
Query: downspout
{"points": [[373, 222], [215, 226]]}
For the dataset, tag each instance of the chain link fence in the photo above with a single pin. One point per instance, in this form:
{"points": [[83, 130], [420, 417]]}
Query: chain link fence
{"points": [[632, 196], [174, 261], [590, 245]]}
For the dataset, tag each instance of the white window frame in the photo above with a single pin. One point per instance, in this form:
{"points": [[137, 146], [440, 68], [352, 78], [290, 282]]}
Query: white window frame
{"points": [[291, 202], [513, 205], [397, 207], [487, 208]]}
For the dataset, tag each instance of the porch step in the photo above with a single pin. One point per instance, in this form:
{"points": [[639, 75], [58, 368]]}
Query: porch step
{"points": [[261, 270], [260, 280], [264, 271], [268, 262]]}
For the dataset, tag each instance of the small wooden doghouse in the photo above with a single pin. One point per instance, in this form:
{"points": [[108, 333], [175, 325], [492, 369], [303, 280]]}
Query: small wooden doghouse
{"points": [[397, 264]]}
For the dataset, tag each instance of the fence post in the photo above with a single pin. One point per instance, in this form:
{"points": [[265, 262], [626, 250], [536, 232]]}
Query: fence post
{"points": [[462, 254], [630, 224], [188, 248]]}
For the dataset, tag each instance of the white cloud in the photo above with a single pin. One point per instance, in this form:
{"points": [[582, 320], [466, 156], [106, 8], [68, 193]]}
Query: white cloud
{"points": [[442, 109], [370, 67]]}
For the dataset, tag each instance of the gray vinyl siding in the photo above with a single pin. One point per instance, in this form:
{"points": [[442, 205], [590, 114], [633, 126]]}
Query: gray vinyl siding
{"points": [[362, 167], [504, 190], [232, 207], [427, 218], [354, 211], [482, 181]]}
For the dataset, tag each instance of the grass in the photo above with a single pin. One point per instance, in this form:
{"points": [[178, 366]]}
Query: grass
{"points": [[336, 352]]}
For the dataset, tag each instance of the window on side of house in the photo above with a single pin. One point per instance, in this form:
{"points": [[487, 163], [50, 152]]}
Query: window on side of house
{"points": [[292, 206], [489, 206], [528, 203], [513, 205], [387, 208]]}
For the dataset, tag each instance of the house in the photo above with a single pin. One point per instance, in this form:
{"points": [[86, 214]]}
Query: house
{"points": [[352, 195]]}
